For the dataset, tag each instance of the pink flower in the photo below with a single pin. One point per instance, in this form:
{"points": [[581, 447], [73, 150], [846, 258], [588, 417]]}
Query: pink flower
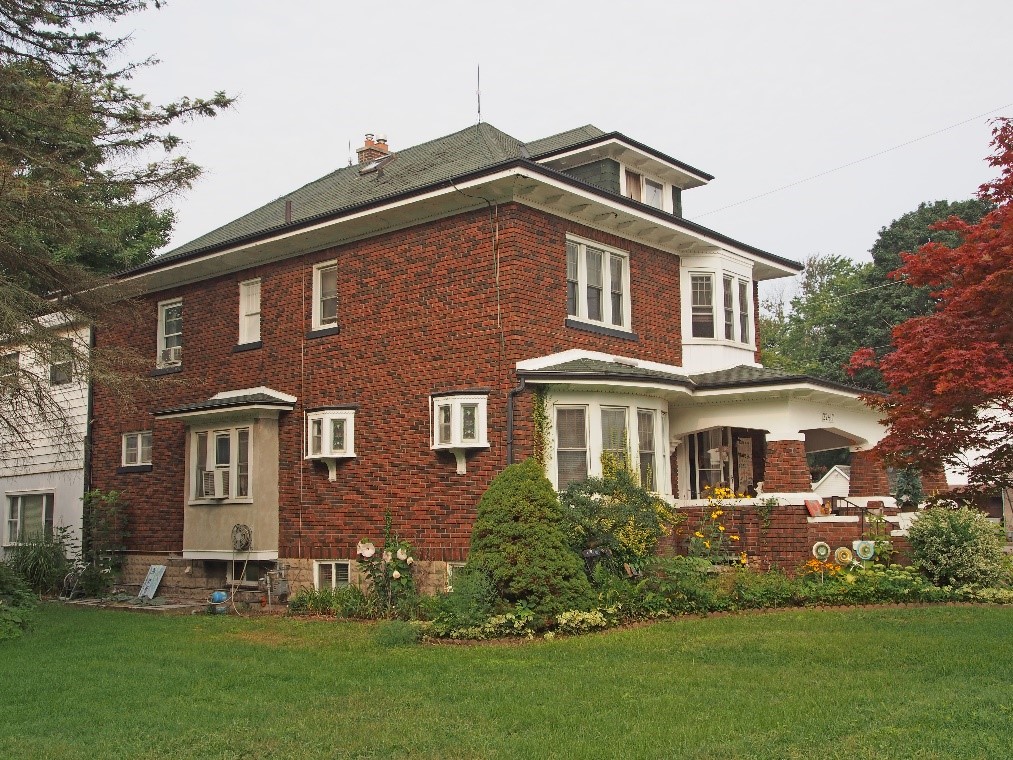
{"points": [[366, 549]]}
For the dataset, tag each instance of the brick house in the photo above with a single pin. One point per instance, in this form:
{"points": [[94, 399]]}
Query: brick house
{"points": [[379, 339]]}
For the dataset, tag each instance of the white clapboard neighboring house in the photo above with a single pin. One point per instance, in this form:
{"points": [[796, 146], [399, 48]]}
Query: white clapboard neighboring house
{"points": [[835, 483], [42, 470]]}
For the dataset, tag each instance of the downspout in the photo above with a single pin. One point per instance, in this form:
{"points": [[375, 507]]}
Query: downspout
{"points": [[510, 420]]}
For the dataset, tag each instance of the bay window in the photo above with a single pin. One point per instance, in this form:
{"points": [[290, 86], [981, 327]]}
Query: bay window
{"points": [[731, 303], [221, 464], [590, 427]]}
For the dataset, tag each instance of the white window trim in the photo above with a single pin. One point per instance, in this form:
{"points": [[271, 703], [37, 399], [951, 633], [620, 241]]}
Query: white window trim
{"points": [[666, 188], [326, 454], [317, 321], [233, 468], [138, 435], [717, 275], [594, 403], [451, 568], [458, 444], [334, 575], [246, 334], [606, 320], [160, 360], [8, 539]]}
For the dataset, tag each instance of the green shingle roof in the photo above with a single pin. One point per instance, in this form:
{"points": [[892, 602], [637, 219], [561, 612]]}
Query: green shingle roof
{"points": [[741, 376], [213, 404]]}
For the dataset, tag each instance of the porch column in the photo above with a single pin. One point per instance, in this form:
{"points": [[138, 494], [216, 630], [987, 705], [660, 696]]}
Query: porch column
{"points": [[868, 475], [785, 469]]}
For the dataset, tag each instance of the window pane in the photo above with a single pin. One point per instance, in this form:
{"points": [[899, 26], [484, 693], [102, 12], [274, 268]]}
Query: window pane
{"points": [[571, 467], [444, 430], [337, 436], [729, 308], [202, 458], [316, 436], [130, 449], [469, 422], [328, 295], [33, 522], [249, 312], [571, 429], [13, 510], [703, 305], [616, 287], [653, 193], [145, 456], [613, 432], [645, 434], [571, 279], [172, 326], [62, 365], [243, 463], [325, 575], [223, 449], [595, 284], [744, 311], [633, 189]]}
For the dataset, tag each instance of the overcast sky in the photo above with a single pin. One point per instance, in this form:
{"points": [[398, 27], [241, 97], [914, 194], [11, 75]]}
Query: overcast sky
{"points": [[759, 94]]}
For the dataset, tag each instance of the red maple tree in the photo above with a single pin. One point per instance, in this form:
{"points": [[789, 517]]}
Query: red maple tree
{"points": [[950, 374]]}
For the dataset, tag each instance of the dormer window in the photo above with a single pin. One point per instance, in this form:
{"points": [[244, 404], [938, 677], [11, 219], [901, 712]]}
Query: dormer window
{"points": [[648, 190], [654, 193]]}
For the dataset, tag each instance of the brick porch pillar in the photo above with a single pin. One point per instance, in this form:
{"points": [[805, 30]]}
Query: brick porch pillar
{"points": [[785, 469], [868, 475], [934, 481]]}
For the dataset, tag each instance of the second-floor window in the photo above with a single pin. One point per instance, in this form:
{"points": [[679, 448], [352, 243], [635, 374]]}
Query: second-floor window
{"points": [[325, 295], [703, 305], [137, 448], [61, 362], [597, 284], [249, 311], [730, 304], [170, 333]]}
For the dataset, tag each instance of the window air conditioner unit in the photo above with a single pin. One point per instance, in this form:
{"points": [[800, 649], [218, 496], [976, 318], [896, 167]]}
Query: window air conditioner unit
{"points": [[172, 355], [216, 484]]}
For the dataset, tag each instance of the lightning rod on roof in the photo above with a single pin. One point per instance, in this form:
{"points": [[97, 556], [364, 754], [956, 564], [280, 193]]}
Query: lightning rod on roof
{"points": [[478, 90]]}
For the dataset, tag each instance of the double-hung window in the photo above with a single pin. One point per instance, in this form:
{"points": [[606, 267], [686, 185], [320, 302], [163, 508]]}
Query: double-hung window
{"points": [[744, 312], [170, 333], [613, 433], [249, 311], [29, 516], [703, 305], [729, 306], [571, 445], [221, 464], [325, 295], [136, 448], [61, 362], [647, 448], [597, 284]]}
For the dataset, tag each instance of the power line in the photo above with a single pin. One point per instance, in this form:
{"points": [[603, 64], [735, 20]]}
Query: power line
{"points": [[852, 163]]}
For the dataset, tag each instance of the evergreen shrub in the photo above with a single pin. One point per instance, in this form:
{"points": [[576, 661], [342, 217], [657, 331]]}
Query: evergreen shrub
{"points": [[519, 542], [957, 547]]}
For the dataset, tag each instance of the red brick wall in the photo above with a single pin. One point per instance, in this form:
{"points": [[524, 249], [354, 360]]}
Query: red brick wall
{"points": [[418, 314], [934, 481], [785, 469], [868, 475]]}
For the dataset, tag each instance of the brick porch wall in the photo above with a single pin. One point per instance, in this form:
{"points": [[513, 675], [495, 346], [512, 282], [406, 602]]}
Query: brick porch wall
{"points": [[785, 468], [868, 475]]}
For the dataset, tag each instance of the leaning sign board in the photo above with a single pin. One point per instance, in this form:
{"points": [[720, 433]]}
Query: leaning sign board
{"points": [[150, 585]]}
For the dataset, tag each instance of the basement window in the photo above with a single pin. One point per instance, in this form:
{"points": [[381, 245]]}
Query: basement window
{"points": [[330, 574]]}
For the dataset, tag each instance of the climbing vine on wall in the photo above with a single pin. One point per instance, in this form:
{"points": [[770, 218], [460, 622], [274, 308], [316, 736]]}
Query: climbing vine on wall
{"points": [[540, 417]]}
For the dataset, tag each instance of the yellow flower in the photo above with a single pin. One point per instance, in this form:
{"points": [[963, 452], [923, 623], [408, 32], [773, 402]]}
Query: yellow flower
{"points": [[743, 558], [720, 512], [734, 537], [721, 528], [707, 544], [714, 515], [698, 534]]}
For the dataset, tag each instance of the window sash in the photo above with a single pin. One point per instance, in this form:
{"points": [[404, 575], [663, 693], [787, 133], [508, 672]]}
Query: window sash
{"points": [[327, 305], [444, 413], [172, 325], [702, 286], [729, 308], [242, 463], [654, 193], [316, 436], [61, 367], [338, 436], [595, 284], [744, 312], [646, 447], [633, 186], [614, 432], [469, 422], [571, 445], [249, 311], [572, 278]]}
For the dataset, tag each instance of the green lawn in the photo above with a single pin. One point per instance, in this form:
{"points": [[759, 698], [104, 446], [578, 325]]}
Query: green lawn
{"points": [[889, 683]]}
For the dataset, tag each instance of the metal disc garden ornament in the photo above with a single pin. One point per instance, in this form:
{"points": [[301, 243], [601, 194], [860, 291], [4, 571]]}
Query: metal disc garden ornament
{"points": [[821, 551], [865, 550], [843, 555]]}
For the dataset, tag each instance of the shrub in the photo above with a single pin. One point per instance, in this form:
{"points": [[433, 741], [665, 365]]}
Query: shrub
{"points": [[615, 515], [104, 535], [469, 604], [908, 489], [957, 547], [397, 633], [41, 560], [519, 542], [16, 603]]}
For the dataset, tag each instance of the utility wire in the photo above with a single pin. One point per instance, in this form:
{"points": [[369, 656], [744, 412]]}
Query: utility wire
{"points": [[852, 163]]}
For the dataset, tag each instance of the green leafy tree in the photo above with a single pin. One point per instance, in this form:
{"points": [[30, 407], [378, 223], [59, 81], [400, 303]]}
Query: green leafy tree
{"points": [[519, 542], [86, 166]]}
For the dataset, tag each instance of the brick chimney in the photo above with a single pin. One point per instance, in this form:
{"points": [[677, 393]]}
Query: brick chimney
{"points": [[372, 150]]}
